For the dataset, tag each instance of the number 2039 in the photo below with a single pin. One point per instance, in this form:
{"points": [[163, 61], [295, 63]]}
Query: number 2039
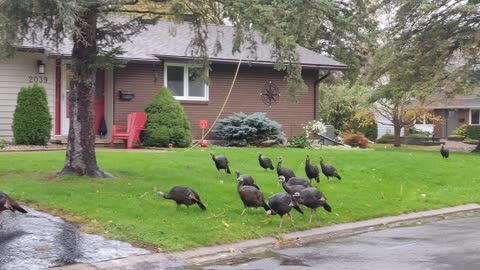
{"points": [[37, 79]]}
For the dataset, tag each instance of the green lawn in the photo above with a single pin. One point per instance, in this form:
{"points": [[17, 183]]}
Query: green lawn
{"points": [[375, 183]]}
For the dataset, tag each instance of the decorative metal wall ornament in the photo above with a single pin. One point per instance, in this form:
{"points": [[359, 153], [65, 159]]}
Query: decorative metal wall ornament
{"points": [[270, 94]]}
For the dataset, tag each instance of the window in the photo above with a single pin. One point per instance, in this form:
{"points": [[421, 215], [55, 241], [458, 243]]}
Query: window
{"points": [[185, 82], [474, 117]]}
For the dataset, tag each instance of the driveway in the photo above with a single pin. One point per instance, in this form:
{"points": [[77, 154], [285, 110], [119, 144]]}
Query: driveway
{"points": [[448, 244], [38, 240]]}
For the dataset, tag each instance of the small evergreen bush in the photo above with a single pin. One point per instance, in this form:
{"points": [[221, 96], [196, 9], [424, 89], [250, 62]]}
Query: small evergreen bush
{"points": [[386, 138], [32, 121], [241, 129], [473, 132], [3, 143], [355, 140], [460, 131], [166, 122]]}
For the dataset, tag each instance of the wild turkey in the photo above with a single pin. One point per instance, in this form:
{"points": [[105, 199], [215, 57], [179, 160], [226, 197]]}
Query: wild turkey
{"points": [[251, 197], [281, 204], [444, 151], [297, 180], [265, 162], [312, 198], [311, 170], [284, 171], [221, 162], [7, 203], [247, 179], [183, 195], [291, 189], [328, 170]]}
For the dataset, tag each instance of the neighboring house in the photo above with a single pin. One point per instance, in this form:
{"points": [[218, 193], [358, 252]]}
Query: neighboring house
{"points": [[455, 112], [384, 126], [157, 57]]}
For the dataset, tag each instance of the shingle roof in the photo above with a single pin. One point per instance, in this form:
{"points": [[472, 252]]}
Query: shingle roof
{"points": [[169, 40], [458, 103]]}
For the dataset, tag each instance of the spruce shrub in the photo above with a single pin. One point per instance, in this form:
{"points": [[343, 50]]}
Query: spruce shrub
{"points": [[32, 121], [241, 129], [166, 123], [473, 132]]}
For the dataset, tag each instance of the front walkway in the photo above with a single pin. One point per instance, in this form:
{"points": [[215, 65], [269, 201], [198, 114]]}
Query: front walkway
{"points": [[459, 146]]}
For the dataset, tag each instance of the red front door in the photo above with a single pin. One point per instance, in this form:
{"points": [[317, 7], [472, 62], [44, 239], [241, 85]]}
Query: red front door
{"points": [[99, 100]]}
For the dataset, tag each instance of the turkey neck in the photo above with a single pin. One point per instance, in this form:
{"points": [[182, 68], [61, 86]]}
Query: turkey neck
{"points": [[239, 185], [238, 174], [286, 187]]}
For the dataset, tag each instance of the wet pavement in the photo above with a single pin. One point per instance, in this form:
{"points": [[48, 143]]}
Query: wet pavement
{"points": [[38, 240], [447, 244]]}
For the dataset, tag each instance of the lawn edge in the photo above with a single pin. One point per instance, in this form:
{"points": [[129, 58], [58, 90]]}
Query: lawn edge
{"points": [[239, 249]]}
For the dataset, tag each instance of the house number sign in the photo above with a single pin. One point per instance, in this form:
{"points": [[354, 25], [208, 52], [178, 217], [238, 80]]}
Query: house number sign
{"points": [[37, 79]]}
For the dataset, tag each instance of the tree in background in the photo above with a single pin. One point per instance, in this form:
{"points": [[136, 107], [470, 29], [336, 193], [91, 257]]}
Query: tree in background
{"points": [[166, 123], [430, 49], [32, 121], [96, 38], [339, 103]]}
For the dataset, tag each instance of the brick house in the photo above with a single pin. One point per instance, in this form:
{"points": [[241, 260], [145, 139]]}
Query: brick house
{"points": [[463, 110], [157, 57]]}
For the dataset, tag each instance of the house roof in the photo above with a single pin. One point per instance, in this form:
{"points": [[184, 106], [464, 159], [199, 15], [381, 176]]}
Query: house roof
{"points": [[467, 102], [169, 40]]}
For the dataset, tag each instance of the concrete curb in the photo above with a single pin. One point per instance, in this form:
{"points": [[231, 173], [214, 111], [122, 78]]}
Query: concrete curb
{"points": [[229, 251]]}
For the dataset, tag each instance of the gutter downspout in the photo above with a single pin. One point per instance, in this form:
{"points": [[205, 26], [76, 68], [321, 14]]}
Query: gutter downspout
{"points": [[315, 94]]}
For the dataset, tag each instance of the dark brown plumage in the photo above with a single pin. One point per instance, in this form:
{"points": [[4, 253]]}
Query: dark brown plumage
{"points": [[329, 170], [311, 170], [288, 173], [291, 189], [312, 198], [221, 162], [247, 179], [444, 151], [7, 203], [251, 197], [183, 195], [265, 162], [281, 204]]}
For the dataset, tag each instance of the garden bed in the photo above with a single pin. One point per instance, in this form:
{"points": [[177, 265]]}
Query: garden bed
{"points": [[32, 148], [426, 141]]}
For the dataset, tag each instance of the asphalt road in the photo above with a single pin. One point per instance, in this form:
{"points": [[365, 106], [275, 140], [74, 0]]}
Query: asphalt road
{"points": [[447, 244]]}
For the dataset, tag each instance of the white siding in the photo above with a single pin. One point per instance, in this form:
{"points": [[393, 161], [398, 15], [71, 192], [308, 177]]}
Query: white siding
{"points": [[384, 129], [13, 76]]}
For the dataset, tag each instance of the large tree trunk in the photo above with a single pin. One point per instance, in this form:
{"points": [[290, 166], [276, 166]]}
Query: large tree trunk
{"points": [[397, 128], [80, 157]]}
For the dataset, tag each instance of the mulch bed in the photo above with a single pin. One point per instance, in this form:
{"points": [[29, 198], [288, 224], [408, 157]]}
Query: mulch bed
{"points": [[32, 148]]}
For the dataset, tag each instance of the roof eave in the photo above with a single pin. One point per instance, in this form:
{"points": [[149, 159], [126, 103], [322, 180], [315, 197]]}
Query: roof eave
{"points": [[259, 63]]}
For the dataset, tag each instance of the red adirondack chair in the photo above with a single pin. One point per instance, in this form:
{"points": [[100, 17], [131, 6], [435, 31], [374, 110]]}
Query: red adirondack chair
{"points": [[130, 133]]}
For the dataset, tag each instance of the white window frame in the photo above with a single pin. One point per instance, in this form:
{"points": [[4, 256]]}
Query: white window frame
{"points": [[470, 116], [185, 82]]}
